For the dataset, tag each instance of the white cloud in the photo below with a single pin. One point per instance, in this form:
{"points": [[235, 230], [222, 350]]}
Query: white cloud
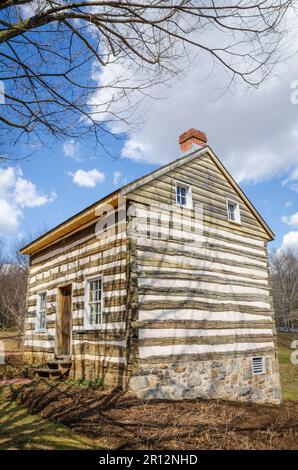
{"points": [[243, 125], [71, 149], [17, 193], [288, 204], [9, 217], [87, 178], [291, 219], [26, 194], [290, 241]]}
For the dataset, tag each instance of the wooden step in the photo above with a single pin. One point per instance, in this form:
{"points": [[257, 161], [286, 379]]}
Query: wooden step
{"points": [[59, 364], [48, 373]]}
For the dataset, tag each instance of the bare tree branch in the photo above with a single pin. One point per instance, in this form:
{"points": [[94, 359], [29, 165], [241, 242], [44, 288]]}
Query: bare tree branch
{"points": [[55, 56]]}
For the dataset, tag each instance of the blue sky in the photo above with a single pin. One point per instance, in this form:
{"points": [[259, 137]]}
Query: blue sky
{"points": [[52, 172], [253, 131]]}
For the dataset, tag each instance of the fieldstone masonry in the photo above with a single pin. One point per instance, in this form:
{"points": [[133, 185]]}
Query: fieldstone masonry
{"points": [[227, 379]]}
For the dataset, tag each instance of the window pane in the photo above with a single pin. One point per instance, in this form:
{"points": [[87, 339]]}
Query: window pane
{"points": [[42, 301], [232, 209], [42, 321], [94, 302], [181, 195]]}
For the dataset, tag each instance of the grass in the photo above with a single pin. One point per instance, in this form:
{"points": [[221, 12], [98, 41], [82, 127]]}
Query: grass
{"points": [[288, 371], [19, 430]]}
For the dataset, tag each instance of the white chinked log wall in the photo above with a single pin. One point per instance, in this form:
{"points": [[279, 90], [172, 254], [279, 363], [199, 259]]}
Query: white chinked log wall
{"points": [[205, 309]]}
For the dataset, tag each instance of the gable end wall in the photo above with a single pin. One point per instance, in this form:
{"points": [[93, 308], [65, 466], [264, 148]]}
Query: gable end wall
{"points": [[203, 310]]}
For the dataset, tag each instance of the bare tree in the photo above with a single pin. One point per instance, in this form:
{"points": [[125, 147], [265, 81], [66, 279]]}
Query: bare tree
{"points": [[54, 55], [13, 297], [284, 266]]}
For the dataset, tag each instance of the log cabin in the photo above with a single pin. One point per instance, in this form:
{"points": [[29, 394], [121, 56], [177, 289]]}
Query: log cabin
{"points": [[162, 288]]}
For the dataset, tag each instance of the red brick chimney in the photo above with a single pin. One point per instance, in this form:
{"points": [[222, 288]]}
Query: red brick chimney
{"points": [[190, 138]]}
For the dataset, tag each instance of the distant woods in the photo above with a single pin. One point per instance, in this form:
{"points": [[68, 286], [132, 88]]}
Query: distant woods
{"points": [[284, 269], [13, 285]]}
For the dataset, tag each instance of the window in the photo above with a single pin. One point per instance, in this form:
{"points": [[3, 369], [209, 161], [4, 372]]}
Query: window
{"points": [[183, 195], [233, 209], [258, 365], [41, 311], [94, 302]]}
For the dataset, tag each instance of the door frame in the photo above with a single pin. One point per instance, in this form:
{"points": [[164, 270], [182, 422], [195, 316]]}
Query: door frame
{"points": [[59, 318]]}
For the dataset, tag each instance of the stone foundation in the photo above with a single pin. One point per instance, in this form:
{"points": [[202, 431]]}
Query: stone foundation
{"points": [[227, 379]]}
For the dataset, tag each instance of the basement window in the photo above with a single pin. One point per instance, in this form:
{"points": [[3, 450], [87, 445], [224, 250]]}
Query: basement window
{"points": [[183, 195], [94, 303], [41, 312], [233, 209], [258, 365]]}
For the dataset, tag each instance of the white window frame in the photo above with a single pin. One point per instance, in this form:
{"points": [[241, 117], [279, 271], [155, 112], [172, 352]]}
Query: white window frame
{"points": [[38, 329], [263, 371], [181, 184], [237, 211], [87, 324]]}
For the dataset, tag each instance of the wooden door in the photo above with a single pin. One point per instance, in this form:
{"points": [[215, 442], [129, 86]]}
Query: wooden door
{"points": [[63, 324]]}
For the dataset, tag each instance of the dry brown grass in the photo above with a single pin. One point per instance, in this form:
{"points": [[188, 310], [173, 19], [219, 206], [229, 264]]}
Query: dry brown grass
{"points": [[124, 422]]}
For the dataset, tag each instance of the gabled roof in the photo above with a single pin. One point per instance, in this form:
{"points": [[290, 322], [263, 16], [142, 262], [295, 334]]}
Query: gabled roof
{"points": [[89, 213]]}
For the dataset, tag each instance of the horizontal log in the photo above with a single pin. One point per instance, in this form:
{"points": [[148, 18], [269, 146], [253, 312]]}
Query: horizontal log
{"points": [[203, 340], [79, 275], [224, 277], [98, 349], [200, 311], [215, 285], [201, 254], [98, 335], [146, 352], [185, 294], [83, 239], [204, 324], [179, 359]]}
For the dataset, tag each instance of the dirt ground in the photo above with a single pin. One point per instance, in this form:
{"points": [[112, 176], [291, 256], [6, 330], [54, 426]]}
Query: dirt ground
{"points": [[124, 422]]}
